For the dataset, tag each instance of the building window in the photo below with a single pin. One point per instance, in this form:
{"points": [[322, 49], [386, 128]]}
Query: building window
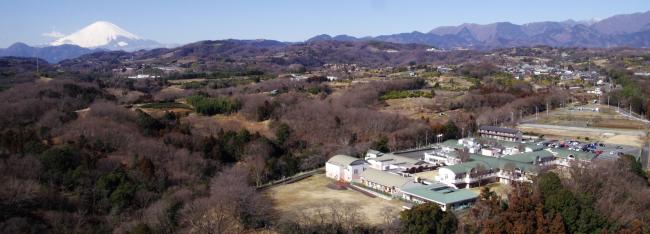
{"points": [[356, 171]]}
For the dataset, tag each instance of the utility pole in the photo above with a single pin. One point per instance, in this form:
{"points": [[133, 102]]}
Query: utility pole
{"points": [[547, 109]]}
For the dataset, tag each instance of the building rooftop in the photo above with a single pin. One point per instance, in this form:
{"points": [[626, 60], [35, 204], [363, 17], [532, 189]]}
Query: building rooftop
{"points": [[375, 152], [385, 178], [499, 129], [580, 155], [451, 143], [467, 166], [416, 154], [344, 160], [503, 163], [440, 193], [398, 160], [487, 162], [529, 157]]}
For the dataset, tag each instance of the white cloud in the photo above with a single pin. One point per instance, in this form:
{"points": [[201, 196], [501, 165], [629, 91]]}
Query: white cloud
{"points": [[53, 34]]}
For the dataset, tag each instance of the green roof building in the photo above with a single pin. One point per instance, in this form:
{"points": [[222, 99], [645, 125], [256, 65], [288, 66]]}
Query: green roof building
{"points": [[446, 197]]}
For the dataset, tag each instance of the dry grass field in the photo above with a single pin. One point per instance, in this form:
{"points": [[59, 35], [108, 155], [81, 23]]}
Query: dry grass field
{"points": [[435, 109], [607, 136], [183, 81], [206, 125], [303, 197], [606, 118], [606, 126]]}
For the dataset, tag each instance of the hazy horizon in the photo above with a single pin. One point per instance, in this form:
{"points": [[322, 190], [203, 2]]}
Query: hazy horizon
{"points": [[40, 22]]}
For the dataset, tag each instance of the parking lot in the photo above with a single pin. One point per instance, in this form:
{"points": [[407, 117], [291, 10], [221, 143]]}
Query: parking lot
{"points": [[603, 150]]}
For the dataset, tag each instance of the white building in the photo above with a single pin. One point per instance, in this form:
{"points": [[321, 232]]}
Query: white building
{"points": [[143, 76], [384, 181], [345, 168], [396, 163]]}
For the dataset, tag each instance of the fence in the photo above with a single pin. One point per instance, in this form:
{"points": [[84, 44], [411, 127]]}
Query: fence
{"points": [[291, 179]]}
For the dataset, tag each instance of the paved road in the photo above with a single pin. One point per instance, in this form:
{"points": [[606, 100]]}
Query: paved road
{"points": [[581, 129]]}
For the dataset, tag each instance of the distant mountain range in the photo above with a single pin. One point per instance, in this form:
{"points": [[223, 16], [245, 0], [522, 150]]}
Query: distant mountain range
{"points": [[98, 36], [52, 54], [631, 30]]}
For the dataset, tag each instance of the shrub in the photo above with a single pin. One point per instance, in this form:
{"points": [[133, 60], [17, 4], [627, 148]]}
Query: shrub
{"points": [[398, 94]]}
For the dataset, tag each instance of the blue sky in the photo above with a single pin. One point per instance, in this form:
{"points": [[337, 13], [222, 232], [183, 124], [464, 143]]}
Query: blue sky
{"points": [[287, 20]]}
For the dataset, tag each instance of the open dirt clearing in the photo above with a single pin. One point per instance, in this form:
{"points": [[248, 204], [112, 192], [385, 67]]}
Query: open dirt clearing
{"points": [[607, 117], [608, 136], [415, 108], [211, 125], [292, 199]]}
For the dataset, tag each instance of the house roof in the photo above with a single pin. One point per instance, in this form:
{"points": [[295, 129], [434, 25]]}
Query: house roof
{"points": [[499, 129], [344, 160], [440, 193], [385, 178]]}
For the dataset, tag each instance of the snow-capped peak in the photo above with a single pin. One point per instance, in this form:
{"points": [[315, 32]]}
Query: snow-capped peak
{"points": [[100, 33]]}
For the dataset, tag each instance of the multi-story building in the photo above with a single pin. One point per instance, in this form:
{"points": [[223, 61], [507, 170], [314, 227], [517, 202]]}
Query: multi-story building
{"points": [[499, 133]]}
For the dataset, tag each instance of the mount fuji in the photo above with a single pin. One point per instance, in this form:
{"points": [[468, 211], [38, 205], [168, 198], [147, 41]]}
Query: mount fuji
{"points": [[106, 35]]}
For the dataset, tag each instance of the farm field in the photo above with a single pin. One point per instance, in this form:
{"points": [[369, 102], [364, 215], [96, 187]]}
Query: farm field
{"points": [[310, 194]]}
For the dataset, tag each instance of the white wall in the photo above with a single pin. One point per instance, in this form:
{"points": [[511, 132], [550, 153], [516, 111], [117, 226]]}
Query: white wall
{"points": [[446, 176], [346, 174], [333, 171]]}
